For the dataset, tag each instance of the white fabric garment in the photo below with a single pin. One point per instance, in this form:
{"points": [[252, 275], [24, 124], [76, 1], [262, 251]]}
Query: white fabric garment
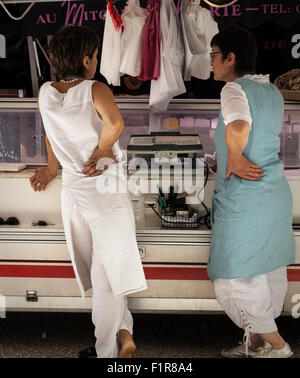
{"points": [[73, 129], [170, 83], [104, 303], [111, 52], [198, 28], [133, 19], [253, 303], [193, 17], [234, 102]]}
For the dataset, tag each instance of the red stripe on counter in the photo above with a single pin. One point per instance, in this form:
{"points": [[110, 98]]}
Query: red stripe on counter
{"points": [[37, 271], [200, 274], [57, 271], [170, 273], [293, 275], [151, 273]]}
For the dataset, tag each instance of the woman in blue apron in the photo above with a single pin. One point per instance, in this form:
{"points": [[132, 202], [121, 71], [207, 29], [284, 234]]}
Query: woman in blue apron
{"points": [[252, 240]]}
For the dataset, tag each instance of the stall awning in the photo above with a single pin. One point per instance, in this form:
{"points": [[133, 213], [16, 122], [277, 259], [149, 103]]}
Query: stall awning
{"points": [[250, 13]]}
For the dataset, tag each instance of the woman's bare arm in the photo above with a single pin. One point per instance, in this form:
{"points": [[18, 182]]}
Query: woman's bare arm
{"points": [[113, 122], [236, 137], [113, 126]]}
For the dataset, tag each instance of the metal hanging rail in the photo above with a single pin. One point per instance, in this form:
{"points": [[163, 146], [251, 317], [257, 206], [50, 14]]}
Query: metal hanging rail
{"points": [[20, 17]]}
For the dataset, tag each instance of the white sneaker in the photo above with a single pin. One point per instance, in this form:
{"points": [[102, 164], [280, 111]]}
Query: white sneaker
{"points": [[284, 352], [240, 351]]}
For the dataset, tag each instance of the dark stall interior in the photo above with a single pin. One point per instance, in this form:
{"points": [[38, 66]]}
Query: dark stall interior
{"points": [[276, 28]]}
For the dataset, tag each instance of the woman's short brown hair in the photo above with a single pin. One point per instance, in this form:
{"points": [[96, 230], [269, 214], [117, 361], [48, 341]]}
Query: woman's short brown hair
{"points": [[69, 46], [242, 43]]}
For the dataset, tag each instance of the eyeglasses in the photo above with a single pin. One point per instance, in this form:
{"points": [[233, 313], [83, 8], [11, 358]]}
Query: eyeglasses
{"points": [[212, 55]]}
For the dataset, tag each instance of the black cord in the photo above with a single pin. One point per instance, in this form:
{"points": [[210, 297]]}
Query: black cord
{"points": [[152, 207], [205, 219]]}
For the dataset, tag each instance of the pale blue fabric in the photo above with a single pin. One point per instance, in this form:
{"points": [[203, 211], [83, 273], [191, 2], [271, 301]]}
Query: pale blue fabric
{"points": [[252, 220]]}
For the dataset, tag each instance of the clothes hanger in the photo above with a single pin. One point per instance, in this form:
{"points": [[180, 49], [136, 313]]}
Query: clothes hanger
{"points": [[116, 18], [113, 2], [44, 53], [22, 16], [196, 2]]}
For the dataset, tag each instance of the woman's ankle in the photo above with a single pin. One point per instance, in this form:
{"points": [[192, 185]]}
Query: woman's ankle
{"points": [[274, 339], [256, 342]]}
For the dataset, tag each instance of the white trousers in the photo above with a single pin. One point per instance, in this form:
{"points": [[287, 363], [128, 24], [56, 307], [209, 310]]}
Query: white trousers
{"points": [[109, 313], [253, 303]]}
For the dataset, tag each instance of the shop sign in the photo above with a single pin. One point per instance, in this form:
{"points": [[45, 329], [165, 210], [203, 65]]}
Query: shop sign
{"points": [[254, 12], [296, 48], [74, 14]]}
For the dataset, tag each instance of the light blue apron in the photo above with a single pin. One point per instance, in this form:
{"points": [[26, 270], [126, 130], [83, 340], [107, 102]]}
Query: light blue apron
{"points": [[252, 220]]}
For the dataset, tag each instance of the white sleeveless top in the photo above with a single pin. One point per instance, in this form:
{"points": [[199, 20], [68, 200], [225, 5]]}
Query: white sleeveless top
{"points": [[72, 124]]}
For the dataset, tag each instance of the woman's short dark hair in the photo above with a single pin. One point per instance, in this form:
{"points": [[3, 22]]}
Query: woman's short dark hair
{"points": [[69, 46], [242, 43]]}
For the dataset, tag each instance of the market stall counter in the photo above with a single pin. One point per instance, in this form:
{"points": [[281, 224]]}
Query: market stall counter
{"points": [[36, 273]]}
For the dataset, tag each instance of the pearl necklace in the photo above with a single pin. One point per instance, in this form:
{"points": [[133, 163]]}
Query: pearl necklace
{"points": [[71, 81]]}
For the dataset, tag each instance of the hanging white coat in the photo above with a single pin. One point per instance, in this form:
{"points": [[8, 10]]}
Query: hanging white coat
{"points": [[170, 83]]}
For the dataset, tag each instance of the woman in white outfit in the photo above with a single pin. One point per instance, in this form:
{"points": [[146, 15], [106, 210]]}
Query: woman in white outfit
{"points": [[83, 124]]}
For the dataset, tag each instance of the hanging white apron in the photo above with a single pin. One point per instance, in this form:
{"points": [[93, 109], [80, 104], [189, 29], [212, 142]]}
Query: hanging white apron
{"points": [[111, 52], [133, 18], [198, 28]]}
